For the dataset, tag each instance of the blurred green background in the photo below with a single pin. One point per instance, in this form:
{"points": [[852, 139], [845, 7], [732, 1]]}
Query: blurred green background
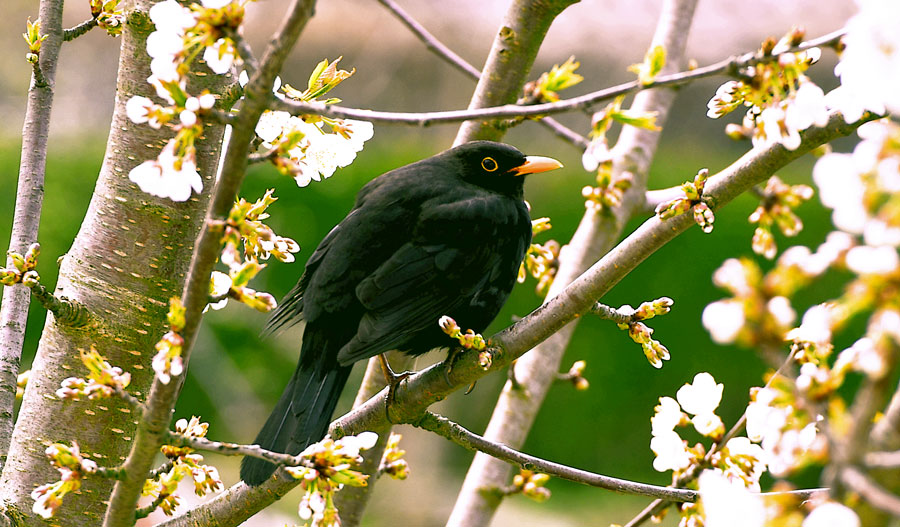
{"points": [[235, 376]]}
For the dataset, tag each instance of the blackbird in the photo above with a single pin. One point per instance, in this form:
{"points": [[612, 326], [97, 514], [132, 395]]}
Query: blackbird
{"points": [[442, 236]]}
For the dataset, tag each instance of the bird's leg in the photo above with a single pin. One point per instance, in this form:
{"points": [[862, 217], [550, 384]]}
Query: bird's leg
{"points": [[393, 380]]}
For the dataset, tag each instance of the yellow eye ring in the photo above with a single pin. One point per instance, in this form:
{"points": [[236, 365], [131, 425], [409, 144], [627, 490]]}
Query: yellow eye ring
{"points": [[489, 164]]}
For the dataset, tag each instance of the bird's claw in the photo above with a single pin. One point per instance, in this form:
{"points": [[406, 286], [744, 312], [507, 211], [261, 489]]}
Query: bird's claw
{"points": [[393, 380]]}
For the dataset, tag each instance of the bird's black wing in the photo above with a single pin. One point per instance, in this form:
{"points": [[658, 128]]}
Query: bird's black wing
{"points": [[452, 258], [290, 309]]}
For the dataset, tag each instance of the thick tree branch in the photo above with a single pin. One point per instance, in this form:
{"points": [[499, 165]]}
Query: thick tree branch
{"points": [[27, 214], [154, 426]]}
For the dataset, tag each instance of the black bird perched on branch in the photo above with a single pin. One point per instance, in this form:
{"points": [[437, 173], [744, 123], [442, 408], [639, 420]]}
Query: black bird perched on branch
{"points": [[442, 236]]}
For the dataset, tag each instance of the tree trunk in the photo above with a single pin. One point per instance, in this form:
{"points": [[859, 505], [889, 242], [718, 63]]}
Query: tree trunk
{"points": [[128, 259]]}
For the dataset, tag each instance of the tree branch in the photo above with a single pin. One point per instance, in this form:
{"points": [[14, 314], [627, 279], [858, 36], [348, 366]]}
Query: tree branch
{"points": [[82, 28], [444, 52], [505, 111], [67, 312], [154, 426], [444, 427], [871, 491], [27, 212]]}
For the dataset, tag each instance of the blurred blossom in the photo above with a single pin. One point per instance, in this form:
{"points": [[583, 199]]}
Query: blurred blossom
{"points": [[764, 420], [780, 309], [869, 67], [732, 276], [724, 320], [815, 326], [872, 260], [831, 514], [728, 503]]}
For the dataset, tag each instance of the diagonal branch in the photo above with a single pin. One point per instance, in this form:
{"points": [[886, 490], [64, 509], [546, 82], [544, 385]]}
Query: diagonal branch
{"points": [[153, 428], [454, 432]]}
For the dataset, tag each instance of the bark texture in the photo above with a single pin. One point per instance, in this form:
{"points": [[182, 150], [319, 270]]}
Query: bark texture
{"points": [[128, 259]]}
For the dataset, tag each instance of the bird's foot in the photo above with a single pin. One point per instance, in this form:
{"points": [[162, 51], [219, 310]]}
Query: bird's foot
{"points": [[393, 380]]}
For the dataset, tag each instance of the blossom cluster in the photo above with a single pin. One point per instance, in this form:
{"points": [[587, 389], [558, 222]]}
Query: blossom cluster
{"points": [[699, 399], [167, 362], [782, 100], [182, 33], [23, 270], [392, 462], [327, 467], [776, 209], [640, 333], [185, 463], [244, 226], [103, 381], [300, 147], [597, 156], [692, 201], [541, 259], [72, 467]]}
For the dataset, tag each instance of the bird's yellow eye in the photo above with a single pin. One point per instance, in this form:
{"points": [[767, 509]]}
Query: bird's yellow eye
{"points": [[489, 164]]}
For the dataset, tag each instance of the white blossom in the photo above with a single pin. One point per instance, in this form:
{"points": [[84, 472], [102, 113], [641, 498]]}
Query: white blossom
{"points": [[171, 16], [780, 309], [671, 452], [702, 396], [732, 276], [728, 503], [168, 176], [815, 326], [807, 108], [869, 67], [668, 415], [763, 420], [220, 56], [271, 124], [137, 109]]}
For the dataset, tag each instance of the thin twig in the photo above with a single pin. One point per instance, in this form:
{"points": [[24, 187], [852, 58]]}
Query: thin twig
{"points": [[441, 50], [610, 313], [234, 449], [883, 459], [444, 427], [727, 66], [82, 28]]}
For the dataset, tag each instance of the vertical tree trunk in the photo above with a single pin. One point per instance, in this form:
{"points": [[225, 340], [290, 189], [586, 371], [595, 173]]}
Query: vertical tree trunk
{"points": [[128, 259], [517, 408]]}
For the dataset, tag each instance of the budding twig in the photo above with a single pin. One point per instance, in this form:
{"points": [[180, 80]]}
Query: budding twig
{"points": [[82, 28]]}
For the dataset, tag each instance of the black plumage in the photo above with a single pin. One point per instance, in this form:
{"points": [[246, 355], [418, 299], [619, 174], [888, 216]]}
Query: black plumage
{"points": [[442, 236]]}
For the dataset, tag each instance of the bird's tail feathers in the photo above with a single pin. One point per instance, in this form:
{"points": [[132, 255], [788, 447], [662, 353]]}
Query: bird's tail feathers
{"points": [[301, 417]]}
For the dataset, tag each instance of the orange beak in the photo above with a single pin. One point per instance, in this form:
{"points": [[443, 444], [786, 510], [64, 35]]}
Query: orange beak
{"points": [[535, 164]]}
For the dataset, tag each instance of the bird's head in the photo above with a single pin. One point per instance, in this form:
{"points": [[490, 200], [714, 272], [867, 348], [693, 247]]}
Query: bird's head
{"points": [[498, 166]]}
